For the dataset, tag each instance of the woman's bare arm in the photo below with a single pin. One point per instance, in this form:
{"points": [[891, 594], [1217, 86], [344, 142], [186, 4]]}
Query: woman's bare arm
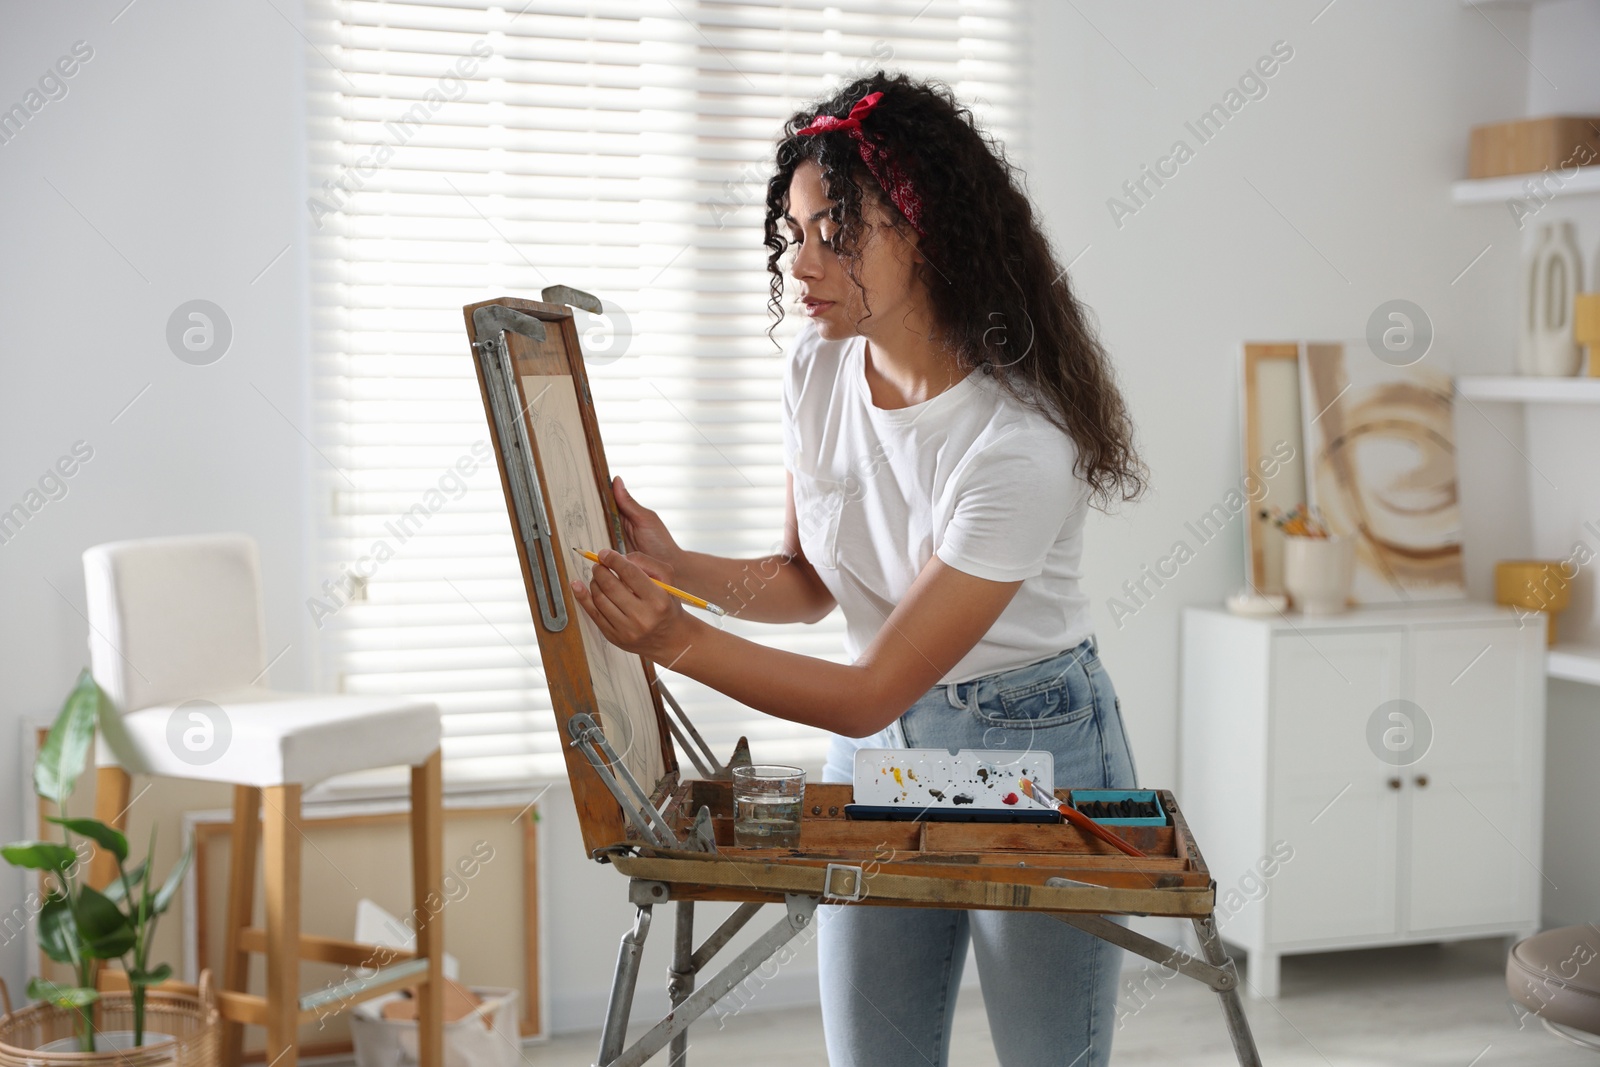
{"points": [[782, 587], [944, 614]]}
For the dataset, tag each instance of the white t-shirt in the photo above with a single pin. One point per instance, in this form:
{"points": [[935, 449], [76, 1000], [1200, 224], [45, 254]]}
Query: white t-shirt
{"points": [[972, 474]]}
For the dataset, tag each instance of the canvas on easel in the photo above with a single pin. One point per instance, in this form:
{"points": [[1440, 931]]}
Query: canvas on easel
{"points": [[558, 488]]}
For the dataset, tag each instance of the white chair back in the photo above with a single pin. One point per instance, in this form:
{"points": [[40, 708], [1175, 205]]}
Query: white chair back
{"points": [[175, 618]]}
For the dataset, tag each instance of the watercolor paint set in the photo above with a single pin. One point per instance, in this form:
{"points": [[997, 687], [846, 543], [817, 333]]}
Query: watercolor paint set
{"points": [[968, 785]]}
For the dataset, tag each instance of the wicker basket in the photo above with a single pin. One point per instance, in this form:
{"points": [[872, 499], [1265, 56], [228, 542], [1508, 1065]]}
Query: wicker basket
{"points": [[193, 1022]]}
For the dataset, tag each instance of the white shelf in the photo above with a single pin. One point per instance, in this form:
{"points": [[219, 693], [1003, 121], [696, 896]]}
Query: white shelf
{"points": [[1499, 190], [1530, 389], [1575, 663], [1424, 613]]}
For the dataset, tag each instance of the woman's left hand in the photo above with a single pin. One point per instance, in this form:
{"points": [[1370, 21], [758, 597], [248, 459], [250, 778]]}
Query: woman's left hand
{"points": [[632, 611]]}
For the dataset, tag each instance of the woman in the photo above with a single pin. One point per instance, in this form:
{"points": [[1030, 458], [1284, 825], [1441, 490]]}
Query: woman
{"points": [[948, 419]]}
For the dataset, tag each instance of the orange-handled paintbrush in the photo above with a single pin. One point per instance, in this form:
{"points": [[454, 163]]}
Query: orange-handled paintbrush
{"points": [[1079, 819]]}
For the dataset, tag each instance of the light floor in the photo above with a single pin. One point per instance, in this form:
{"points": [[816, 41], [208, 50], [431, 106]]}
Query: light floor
{"points": [[1415, 1006]]}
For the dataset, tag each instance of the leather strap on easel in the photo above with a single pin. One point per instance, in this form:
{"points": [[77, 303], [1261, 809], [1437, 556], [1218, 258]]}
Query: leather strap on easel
{"points": [[838, 883]]}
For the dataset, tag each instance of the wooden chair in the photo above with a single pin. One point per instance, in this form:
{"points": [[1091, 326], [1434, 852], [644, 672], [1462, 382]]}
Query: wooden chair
{"points": [[673, 836], [177, 641]]}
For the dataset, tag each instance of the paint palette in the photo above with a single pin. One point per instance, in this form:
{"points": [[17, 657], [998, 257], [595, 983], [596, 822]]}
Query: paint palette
{"points": [[969, 785]]}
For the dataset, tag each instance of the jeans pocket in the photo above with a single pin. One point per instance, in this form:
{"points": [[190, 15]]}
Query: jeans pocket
{"points": [[1057, 694]]}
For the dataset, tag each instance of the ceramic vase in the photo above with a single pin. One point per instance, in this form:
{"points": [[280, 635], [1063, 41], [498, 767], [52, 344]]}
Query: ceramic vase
{"points": [[1552, 277], [1317, 572]]}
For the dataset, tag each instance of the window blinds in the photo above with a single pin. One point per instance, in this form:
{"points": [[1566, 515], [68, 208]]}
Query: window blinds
{"points": [[460, 151]]}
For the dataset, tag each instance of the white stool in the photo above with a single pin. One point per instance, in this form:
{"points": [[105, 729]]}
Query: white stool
{"points": [[177, 641]]}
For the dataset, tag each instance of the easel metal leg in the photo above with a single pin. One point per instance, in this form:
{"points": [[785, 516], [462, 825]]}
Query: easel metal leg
{"points": [[1218, 977], [1244, 1045], [680, 980], [717, 941], [1216, 971], [623, 984], [801, 912], [688, 962]]}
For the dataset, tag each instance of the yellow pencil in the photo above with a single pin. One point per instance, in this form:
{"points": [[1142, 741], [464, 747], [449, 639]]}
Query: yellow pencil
{"points": [[688, 598]]}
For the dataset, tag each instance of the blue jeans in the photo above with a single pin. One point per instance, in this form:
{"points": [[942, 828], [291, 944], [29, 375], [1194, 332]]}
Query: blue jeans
{"points": [[890, 976]]}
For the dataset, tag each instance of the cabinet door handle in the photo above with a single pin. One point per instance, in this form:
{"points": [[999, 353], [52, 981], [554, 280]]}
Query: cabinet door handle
{"points": [[1422, 781], [1394, 783]]}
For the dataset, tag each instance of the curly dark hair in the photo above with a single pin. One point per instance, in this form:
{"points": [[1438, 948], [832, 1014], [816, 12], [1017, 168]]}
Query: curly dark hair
{"points": [[989, 268]]}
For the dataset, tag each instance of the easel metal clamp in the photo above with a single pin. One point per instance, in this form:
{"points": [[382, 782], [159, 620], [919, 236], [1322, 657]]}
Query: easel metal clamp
{"points": [[577, 298], [644, 891], [689, 739], [852, 883], [490, 324], [588, 738]]}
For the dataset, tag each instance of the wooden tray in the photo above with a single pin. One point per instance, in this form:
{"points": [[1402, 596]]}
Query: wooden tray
{"points": [[1004, 865]]}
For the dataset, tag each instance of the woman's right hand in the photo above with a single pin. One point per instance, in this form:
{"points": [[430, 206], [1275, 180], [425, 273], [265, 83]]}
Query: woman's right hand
{"points": [[646, 532]]}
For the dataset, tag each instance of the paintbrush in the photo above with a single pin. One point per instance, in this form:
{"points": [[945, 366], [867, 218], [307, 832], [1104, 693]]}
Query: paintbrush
{"points": [[688, 598], [1079, 819]]}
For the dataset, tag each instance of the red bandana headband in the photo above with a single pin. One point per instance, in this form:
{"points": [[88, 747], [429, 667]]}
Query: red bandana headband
{"points": [[884, 170]]}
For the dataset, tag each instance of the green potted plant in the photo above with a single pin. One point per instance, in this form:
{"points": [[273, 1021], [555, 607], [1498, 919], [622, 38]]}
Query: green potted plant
{"points": [[78, 925]]}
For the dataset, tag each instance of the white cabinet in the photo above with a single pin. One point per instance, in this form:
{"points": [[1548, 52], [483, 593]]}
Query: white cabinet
{"points": [[1324, 798], [1365, 779]]}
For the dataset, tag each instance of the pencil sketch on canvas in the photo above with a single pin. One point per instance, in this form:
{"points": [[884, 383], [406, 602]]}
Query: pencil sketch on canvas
{"points": [[572, 499]]}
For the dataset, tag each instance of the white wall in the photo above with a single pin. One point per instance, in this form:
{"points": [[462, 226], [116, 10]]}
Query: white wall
{"points": [[1561, 76], [181, 142], [170, 171], [1313, 205]]}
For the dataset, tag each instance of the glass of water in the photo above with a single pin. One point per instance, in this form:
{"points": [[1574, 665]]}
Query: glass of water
{"points": [[766, 805]]}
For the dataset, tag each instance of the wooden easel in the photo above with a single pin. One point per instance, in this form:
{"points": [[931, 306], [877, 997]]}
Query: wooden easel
{"points": [[673, 837]]}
